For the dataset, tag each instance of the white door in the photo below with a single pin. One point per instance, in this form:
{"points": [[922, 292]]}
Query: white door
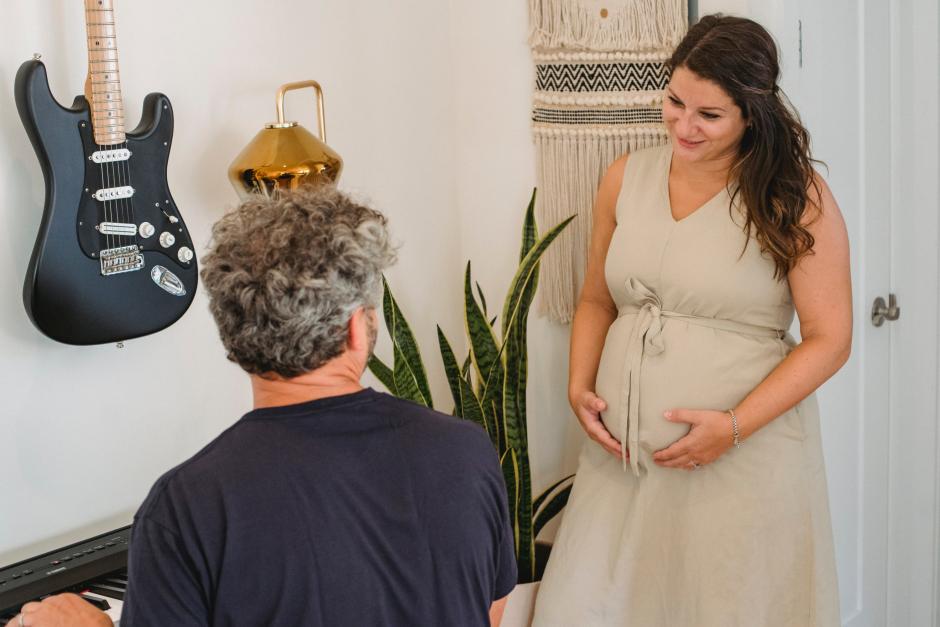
{"points": [[863, 74], [837, 58]]}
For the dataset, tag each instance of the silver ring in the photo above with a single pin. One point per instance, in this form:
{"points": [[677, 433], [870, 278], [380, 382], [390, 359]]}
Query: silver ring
{"points": [[22, 624]]}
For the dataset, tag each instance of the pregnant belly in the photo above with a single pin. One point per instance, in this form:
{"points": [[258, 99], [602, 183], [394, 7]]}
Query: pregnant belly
{"points": [[699, 368]]}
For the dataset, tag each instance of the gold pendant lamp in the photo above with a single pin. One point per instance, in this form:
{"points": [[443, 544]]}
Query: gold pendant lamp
{"points": [[284, 155]]}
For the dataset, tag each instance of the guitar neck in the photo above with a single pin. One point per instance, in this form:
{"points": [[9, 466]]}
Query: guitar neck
{"points": [[103, 85]]}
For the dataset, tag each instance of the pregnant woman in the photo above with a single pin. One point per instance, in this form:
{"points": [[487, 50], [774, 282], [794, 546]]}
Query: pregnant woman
{"points": [[701, 501]]}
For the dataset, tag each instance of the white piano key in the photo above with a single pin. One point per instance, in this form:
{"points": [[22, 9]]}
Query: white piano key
{"points": [[114, 612]]}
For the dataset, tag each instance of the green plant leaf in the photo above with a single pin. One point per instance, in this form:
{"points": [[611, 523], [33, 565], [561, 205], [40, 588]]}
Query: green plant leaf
{"points": [[511, 478], [482, 298], [388, 311], [517, 369], [515, 334], [530, 231], [451, 370], [484, 349], [537, 503], [513, 389], [551, 509], [526, 541], [411, 379], [494, 419], [406, 383], [525, 272], [471, 409], [492, 402], [383, 373], [522, 337]]}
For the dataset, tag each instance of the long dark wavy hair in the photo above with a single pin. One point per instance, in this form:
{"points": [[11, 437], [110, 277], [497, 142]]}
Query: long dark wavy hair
{"points": [[773, 172]]}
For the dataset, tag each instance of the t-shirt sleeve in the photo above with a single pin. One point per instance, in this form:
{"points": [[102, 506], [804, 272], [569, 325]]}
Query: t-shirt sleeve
{"points": [[163, 587]]}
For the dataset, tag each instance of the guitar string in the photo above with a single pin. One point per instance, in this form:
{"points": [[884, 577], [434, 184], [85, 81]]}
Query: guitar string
{"points": [[119, 202], [113, 211], [126, 204], [127, 173], [113, 169], [101, 169], [105, 173], [125, 213], [115, 217], [123, 167], [104, 185]]}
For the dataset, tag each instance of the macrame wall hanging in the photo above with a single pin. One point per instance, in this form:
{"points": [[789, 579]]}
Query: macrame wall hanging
{"points": [[600, 75]]}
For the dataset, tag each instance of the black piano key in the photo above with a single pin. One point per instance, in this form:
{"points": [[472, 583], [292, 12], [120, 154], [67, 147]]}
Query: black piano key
{"points": [[101, 604], [107, 591]]}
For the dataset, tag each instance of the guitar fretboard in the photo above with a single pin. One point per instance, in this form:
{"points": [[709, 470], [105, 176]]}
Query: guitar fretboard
{"points": [[103, 85]]}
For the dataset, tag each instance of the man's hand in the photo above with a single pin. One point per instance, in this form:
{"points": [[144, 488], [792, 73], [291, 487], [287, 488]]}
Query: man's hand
{"points": [[61, 610]]}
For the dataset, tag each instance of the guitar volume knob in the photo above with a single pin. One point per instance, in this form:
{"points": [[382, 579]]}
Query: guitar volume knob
{"points": [[146, 230], [185, 254], [167, 239]]}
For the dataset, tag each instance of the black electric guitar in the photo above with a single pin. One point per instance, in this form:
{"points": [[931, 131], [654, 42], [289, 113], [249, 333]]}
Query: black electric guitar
{"points": [[113, 259]]}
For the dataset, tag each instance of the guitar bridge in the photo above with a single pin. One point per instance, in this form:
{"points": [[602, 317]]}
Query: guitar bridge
{"points": [[119, 260]]}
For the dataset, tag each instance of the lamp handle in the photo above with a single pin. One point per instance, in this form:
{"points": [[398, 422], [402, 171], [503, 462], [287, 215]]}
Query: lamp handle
{"points": [[286, 87]]}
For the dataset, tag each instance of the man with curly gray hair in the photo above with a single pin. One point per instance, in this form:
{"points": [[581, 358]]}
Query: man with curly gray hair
{"points": [[285, 277], [327, 504]]}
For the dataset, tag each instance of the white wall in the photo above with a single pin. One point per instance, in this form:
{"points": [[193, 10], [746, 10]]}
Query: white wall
{"points": [[86, 431]]}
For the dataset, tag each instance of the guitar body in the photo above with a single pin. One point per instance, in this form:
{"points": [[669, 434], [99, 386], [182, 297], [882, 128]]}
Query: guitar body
{"points": [[67, 293]]}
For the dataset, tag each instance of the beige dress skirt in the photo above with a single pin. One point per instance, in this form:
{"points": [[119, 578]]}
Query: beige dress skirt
{"points": [[743, 542]]}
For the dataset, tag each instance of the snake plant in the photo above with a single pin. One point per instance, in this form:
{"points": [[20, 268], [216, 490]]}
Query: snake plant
{"points": [[489, 385]]}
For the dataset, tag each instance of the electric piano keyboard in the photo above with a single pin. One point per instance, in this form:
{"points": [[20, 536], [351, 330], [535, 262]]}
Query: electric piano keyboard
{"points": [[95, 568]]}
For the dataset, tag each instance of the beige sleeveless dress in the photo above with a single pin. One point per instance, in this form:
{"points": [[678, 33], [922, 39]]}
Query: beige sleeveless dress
{"points": [[743, 542]]}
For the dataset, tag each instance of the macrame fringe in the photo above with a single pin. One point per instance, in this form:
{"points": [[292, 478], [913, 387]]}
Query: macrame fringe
{"points": [[569, 169], [636, 25]]}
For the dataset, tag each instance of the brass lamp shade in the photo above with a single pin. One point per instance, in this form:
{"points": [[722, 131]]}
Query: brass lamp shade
{"points": [[285, 155]]}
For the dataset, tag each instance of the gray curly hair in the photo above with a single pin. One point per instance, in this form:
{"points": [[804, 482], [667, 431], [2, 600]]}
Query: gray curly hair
{"points": [[284, 275]]}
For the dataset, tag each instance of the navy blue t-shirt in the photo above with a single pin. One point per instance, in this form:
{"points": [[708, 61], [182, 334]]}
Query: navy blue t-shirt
{"points": [[353, 510]]}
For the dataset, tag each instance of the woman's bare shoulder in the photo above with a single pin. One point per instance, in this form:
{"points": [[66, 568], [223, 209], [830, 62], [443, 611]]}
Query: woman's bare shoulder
{"points": [[610, 186]]}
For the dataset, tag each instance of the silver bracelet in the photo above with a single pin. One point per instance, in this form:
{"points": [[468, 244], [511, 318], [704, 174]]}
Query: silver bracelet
{"points": [[734, 429]]}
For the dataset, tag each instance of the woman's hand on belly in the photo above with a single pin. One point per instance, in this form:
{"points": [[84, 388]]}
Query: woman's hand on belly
{"points": [[710, 436], [587, 407]]}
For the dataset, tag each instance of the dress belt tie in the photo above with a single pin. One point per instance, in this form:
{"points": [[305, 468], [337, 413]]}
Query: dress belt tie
{"points": [[647, 339]]}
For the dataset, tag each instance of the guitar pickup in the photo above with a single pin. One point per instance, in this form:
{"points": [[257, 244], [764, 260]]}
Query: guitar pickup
{"points": [[117, 228], [110, 156], [123, 259], [114, 193]]}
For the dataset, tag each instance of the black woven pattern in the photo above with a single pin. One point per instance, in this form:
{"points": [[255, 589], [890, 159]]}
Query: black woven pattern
{"points": [[600, 77], [598, 116]]}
